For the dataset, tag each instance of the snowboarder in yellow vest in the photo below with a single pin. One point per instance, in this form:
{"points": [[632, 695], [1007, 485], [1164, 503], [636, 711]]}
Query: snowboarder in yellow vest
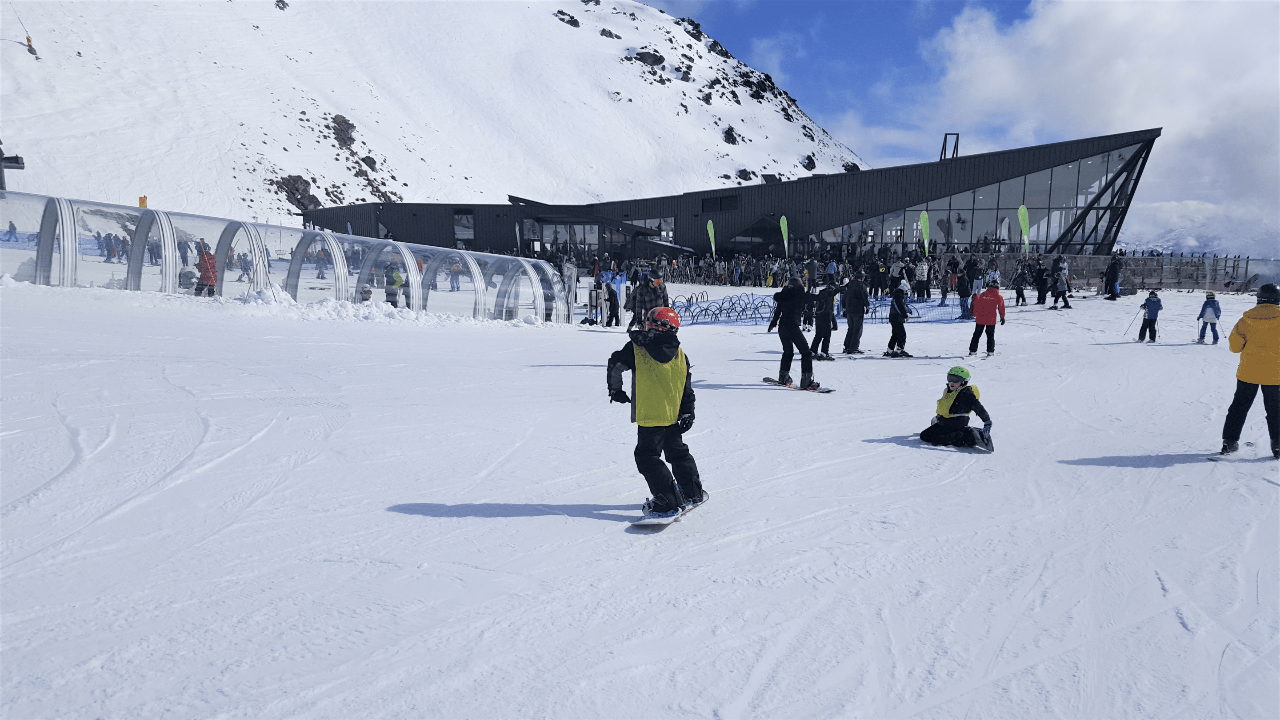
{"points": [[662, 408], [950, 426]]}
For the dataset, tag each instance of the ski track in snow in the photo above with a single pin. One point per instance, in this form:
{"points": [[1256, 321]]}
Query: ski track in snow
{"points": [[218, 510]]}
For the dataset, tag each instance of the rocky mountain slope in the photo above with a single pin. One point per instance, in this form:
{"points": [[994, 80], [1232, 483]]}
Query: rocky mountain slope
{"points": [[259, 109]]}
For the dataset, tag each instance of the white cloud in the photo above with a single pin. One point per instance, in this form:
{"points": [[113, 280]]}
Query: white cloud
{"points": [[768, 54], [1208, 73]]}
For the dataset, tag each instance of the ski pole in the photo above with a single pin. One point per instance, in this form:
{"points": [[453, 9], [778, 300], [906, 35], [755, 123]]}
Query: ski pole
{"points": [[1135, 318]]}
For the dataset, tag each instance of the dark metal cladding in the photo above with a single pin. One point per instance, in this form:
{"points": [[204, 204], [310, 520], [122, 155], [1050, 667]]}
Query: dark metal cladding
{"points": [[811, 205]]}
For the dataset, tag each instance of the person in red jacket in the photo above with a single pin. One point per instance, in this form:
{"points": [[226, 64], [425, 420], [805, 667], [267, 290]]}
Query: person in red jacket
{"points": [[208, 268], [985, 307]]}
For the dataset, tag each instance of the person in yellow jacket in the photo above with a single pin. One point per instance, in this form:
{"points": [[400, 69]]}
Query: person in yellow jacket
{"points": [[1257, 338], [662, 408]]}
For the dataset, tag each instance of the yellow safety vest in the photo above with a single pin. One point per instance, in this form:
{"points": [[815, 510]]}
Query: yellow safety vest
{"points": [[948, 397], [658, 388]]}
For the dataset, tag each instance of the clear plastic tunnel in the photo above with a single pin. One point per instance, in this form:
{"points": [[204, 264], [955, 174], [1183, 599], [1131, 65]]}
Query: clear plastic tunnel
{"points": [[74, 243]]}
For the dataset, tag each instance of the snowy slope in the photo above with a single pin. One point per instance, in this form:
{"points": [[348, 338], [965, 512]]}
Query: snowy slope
{"points": [[210, 509], [222, 108]]}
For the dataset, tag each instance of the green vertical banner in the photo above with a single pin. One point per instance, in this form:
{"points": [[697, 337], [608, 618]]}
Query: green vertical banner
{"points": [[1025, 222], [711, 233], [924, 230], [786, 249]]}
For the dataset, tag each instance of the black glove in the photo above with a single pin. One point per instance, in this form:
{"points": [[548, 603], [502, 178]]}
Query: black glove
{"points": [[618, 396], [1001, 321], [684, 422], [771, 326], [986, 426]]}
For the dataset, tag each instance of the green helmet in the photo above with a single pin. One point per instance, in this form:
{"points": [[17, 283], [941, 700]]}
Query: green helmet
{"points": [[959, 372]]}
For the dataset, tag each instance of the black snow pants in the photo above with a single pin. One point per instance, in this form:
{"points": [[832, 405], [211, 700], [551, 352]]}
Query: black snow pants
{"points": [[822, 338], [1147, 324], [1021, 299], [898, 337], [853, 335], [952, 431], [978, 329], [676, 484], [1239, 410], [792, 339], [613, 318]]}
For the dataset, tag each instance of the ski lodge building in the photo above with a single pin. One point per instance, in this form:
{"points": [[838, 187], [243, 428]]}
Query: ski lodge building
{"points": [[1076, 195]]}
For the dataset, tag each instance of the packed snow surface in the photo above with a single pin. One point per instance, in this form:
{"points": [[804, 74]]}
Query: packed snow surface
{"points": [[251, 510]]}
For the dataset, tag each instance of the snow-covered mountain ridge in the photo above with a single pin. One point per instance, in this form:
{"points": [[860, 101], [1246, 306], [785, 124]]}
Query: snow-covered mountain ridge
{"points": [[258, 109]]}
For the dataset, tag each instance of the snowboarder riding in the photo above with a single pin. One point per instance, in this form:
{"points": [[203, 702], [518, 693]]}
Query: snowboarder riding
{"points": [[662, 408], [951, 425]]}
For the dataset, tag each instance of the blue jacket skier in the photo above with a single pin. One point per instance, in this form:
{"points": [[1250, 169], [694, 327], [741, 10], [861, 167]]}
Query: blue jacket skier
{"points": [[1210, 312], [1152, 307]]}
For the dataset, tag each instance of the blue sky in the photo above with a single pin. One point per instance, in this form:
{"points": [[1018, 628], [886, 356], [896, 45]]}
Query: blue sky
{"points": [[889, 78], [835, 56]]}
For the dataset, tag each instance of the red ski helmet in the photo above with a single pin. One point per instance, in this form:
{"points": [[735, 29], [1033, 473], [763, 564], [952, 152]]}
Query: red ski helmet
{"points": [[664, 319]]}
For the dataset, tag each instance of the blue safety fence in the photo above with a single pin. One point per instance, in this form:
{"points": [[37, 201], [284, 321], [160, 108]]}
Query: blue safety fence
{"points": [[750, 309]]}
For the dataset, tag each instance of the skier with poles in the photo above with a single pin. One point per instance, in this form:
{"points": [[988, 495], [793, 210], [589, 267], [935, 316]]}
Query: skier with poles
{"points": [[1256, 336], [1210, 311], [1152, 306], [950, 426], [662, 407], [790, 305]]}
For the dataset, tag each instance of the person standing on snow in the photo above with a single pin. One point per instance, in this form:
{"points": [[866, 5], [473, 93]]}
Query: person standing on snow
{"points": [[897, 320], [662, 407], [208, 270], [1210, 311], [824, 312], [1152, 306], [611, 299], [649, 294], [985, 307], [789, 306], [391, 281], [856, 306], [964, 289], [1256, 336], [950, 426]]}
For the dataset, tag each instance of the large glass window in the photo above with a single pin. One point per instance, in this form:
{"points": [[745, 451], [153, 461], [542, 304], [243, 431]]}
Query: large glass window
{"points": [[984, 226], [1093, 173], [1011, 192], [1037, 191], [985, 198], [464, 224], [1065, 178]]}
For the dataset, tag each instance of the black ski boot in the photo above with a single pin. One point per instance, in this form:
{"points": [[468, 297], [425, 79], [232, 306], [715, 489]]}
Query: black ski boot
{"points": [[1275, 450], [807, 383], [1228, 447], [785, 379]]}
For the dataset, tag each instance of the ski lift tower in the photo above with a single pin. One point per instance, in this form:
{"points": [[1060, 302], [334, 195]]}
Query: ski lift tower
{"points": [[9, 162]]}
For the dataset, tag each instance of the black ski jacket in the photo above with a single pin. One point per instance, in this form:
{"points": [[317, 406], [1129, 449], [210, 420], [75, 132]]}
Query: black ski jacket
{"points": [[856, 303], [790, 304], [966, 403], [898, 306], [824, 305]]}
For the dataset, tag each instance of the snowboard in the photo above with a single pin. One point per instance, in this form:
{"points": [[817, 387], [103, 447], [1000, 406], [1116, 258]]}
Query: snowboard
{"points": [[652, 521], [1233, 456], [655, 521], [820, 390]]}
